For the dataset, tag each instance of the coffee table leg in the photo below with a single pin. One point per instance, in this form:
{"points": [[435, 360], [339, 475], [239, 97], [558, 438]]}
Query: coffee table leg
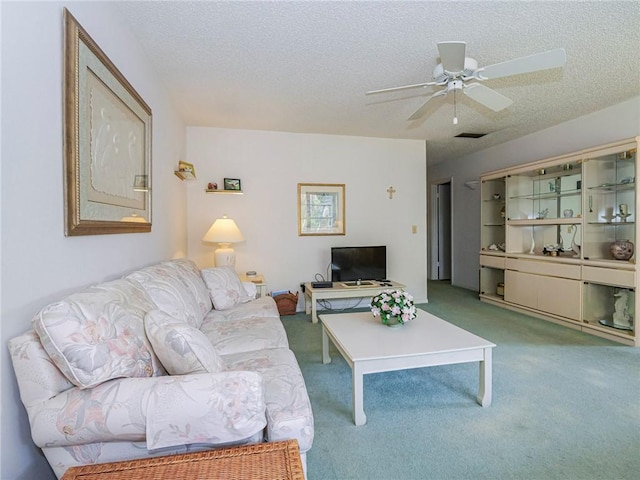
{"points": [[486, 379], [314, 310], [359, 418], [326, 358], [307, 302]]}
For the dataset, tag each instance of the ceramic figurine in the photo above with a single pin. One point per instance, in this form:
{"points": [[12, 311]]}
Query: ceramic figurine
{"points": [[621, 317], [574, 246]]}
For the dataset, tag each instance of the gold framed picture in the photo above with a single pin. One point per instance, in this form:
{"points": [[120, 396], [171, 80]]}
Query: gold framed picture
{"points": [[107, 143], [321, 209]]}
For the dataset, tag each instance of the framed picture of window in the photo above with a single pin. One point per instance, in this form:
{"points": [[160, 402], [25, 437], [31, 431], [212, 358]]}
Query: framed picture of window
{"points": [[321, 209], [107, 143]]}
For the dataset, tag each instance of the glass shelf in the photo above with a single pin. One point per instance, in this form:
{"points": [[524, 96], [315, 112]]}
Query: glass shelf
{"points": [[547, 221], [614, 187], [546, 195], [617, 224]]}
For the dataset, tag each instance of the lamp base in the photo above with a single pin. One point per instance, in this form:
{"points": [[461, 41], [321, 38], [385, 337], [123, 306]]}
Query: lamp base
{"points": [[225, 257]]}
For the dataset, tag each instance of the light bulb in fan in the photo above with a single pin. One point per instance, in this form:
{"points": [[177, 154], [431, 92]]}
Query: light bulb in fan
{"points": [[455, 120]]}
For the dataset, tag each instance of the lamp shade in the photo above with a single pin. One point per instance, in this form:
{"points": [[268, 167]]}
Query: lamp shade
{"points": [[223, 230]]}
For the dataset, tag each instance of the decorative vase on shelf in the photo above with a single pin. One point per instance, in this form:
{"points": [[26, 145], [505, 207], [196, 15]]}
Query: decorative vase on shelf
{"points": [[622, 249]]}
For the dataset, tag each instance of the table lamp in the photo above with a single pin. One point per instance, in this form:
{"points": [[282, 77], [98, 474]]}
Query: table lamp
{"points": [[224, 232]]}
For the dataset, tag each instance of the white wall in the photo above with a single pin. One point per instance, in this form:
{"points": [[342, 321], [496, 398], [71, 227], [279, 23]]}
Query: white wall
{"points": [[39, 264], [270, 166], [608, 125]]}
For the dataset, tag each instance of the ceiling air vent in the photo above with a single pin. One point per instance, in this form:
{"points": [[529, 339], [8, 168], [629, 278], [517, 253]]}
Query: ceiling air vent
{"points": [[470, 135]]}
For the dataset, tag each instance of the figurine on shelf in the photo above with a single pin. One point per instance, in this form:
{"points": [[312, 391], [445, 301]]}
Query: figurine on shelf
{"points": [[621, 317], [624, 212], [212, 186], [574, 246]]}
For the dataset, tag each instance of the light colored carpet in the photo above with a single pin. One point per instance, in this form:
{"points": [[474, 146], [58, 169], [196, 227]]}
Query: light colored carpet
{"points": [[566, 405]]}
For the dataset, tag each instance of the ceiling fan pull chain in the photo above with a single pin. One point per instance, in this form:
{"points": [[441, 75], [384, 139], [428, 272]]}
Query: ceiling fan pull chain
{"points": [[455, 110]]}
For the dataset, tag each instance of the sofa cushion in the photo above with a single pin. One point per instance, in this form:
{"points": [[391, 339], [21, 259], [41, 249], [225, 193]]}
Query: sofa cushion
{"points": [[225, 287], [260, 307], [98, 334], [190, 275], [181, 348], [248, 332], [164, 285]]}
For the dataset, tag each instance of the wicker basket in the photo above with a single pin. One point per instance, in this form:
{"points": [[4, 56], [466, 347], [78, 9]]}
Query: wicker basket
{"points": [[265, 461], [287, 303]]}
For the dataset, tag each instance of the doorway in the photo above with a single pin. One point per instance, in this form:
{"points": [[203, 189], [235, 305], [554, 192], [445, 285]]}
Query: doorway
{"points": [[441, 211]]}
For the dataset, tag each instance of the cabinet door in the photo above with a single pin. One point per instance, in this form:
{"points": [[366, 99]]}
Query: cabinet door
{"points": [[521, 288], [559, 296]]}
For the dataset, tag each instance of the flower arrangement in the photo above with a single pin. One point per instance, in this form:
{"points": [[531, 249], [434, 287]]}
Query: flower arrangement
{"points": [[390, 304]]}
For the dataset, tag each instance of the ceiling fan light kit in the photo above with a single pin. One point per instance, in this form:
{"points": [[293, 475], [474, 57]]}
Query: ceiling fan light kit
{"points": [[458, 72]]}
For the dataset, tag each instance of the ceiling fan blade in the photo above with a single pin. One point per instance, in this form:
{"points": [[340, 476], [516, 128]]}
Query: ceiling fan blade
{"points": [[452, 55], [532, 63], [396, 89], [423, 108], [487, 97]]}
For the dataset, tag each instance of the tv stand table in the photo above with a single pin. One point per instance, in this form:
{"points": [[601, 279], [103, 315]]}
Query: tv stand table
{"points": [[368, 288]]}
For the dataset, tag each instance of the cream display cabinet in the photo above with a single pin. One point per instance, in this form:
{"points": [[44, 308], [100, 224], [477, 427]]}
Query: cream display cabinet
{"points": [[558, 240]]}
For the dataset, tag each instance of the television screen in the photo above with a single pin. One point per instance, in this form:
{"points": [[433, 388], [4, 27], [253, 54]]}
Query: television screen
{"points": [[358, 263]]}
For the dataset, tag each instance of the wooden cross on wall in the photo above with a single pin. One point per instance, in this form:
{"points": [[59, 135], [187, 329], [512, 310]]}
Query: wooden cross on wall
{"points": [[391, 191]]}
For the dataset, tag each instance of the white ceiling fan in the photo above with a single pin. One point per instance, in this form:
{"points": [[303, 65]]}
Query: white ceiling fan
{"points": [[457, 72]]}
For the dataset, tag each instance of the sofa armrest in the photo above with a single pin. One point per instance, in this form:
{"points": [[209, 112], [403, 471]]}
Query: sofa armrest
{"points": [[163, 411]]}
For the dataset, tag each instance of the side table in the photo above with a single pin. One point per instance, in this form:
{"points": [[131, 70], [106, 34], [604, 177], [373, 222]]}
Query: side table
{"points": [[273, 461], [258, 280]]}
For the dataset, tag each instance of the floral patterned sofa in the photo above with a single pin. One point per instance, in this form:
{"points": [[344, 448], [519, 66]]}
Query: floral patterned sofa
{"points": [[168, 359]]}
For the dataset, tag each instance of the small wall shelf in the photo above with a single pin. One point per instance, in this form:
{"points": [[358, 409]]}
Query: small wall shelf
{"points": [[228, 192]]}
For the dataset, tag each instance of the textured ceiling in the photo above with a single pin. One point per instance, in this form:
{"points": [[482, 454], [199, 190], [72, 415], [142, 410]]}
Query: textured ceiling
{"points": [[305, 66]]}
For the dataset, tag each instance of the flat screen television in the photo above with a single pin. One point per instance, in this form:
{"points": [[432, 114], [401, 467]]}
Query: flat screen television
{"points": [[358, 263]]}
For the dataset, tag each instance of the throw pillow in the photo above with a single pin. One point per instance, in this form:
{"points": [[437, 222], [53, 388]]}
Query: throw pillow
{"points": [[225, 287], [97, 334], [181, 348]]}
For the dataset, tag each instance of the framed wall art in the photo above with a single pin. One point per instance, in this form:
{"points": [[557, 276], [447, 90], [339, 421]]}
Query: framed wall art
{"points": [[232, 184], [321, 209], [107, 143]]}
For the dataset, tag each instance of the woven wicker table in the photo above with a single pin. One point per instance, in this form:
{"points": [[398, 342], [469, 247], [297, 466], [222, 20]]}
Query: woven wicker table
{"points": [[263, 461]]}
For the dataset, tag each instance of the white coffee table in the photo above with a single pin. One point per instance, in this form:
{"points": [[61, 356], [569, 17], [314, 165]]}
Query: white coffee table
{"points": [[368, 346]]}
